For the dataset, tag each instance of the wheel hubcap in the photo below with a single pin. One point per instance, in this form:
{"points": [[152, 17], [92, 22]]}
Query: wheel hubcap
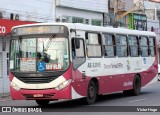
{"points": [[137, 85], [91, 92]]}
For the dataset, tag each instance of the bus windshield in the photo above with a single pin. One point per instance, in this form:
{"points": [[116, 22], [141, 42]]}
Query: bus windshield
{"points": [[39, 54]]}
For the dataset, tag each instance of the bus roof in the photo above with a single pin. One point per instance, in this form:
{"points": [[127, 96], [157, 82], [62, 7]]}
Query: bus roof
{"points": [[79, 26]]}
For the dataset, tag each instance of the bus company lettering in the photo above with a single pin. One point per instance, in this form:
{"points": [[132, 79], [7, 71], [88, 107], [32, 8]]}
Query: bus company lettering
{"points": [[112, 66], [129, 83], [94, 65], [52, 66]]}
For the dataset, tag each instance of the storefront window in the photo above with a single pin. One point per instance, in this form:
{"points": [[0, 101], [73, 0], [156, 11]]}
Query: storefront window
{"points": [[77, 20], [96, 22]]}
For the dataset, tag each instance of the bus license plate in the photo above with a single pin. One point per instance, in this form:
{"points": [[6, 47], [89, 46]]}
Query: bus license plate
{"points": [[38, 95]]}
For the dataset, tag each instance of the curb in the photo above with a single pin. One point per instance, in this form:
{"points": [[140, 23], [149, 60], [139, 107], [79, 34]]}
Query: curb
{"points": [[5, 95]]}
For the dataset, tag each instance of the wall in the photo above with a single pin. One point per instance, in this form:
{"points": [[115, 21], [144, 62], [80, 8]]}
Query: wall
{"points": [[155, 25], [151, 9], [92, 5], [4, 78], [62, 11]]}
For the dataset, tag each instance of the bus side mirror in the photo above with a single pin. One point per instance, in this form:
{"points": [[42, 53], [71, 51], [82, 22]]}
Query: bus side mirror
{"points": [[77, 43]]}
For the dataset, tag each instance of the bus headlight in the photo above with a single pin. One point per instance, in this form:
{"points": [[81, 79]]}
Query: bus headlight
{"points": [[63, 85], [15, 86]]}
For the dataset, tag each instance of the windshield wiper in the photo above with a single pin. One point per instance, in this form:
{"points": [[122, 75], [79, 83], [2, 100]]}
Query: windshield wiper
{"points": [[48, 43]]}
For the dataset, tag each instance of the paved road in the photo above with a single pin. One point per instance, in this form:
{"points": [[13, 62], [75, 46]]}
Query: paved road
{"points": [[150, 96]]}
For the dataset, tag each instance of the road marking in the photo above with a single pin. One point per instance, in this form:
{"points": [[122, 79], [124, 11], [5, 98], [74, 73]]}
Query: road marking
{"points": [[138, 100], [147, 87]]}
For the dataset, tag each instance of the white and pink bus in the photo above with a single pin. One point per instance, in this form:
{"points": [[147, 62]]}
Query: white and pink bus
{"points": [[52, 61]]}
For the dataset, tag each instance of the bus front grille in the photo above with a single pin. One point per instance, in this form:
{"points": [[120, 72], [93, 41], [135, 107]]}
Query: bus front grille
{"points": [[36, 80]]}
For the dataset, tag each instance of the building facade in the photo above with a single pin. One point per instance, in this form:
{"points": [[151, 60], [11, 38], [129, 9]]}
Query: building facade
{"points": [[84, 11], [122, 7], [152, 10]]}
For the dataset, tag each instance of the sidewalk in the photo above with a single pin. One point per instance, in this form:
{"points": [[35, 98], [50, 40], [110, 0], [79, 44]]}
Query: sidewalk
{"points": [[5, 95]]}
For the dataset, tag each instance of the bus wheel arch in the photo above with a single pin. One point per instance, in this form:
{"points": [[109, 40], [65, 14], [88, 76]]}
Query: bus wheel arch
{"points": [[92, 91], [97, 84], [136, 86]]}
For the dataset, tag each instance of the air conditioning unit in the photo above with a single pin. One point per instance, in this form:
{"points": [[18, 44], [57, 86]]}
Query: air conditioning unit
{"points": [[64, 20], [11, 16], [61, 19], [1, 15], [16, 17], [58, 19], [87, 21]]}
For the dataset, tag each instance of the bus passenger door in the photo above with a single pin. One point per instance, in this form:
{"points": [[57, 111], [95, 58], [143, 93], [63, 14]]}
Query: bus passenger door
{"points": [[78, 53], [78, 59]]}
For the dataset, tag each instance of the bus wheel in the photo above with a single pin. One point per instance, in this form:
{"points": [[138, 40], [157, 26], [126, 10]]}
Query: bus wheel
{"points": [[91, 93], [42, 102], [136, 85]]}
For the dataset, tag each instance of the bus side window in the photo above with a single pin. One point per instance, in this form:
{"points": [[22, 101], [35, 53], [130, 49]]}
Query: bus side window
{"points": [[144, 49], [152, 47], [78, 53], [79, 48], [109, 45], [133, 46], [73, 49], [121, 46], [94, 49]]}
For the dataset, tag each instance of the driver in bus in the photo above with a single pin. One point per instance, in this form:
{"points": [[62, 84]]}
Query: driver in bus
{"points": [[40, 59]]}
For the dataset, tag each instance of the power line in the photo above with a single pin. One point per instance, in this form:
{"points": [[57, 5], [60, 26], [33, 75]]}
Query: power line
{"points": [[32, 15], [51, 9], [94, 4], [44, 1]]}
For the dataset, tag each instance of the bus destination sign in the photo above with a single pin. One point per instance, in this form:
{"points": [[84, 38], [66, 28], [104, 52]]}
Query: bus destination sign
{"points": [[28, 30]]}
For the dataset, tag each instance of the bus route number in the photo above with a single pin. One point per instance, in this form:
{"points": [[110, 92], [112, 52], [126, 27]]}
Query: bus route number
{"points": [[94, 65]]}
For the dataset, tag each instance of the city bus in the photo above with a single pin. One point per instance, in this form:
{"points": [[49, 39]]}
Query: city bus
{"points": [[54, 61]]}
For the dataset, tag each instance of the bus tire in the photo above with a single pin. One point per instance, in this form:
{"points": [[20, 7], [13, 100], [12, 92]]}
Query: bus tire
{"points": [[42, 102], [127, 92], [91, 93], [136, 86]]}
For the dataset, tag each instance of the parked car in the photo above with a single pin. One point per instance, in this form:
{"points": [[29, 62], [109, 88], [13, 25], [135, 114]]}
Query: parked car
{"points": [[158, 72]]}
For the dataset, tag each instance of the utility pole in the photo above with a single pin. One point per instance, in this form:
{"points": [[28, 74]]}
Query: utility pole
{"points": [[115, 7], [117, 4], [115, 13]]}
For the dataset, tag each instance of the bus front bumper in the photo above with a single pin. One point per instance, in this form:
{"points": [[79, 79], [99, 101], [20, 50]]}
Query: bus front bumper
{"points": [[49, 94]]}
